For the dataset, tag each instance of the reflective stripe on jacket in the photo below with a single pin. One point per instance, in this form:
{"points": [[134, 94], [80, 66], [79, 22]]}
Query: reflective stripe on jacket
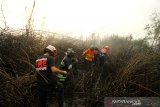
{"points": [[61, 77]]}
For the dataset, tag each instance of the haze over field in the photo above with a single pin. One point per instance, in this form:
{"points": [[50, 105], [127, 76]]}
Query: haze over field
{"points": [[117, 52], [81, 17]]}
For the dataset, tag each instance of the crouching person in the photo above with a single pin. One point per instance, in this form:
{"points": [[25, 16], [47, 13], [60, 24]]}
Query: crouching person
{"points": [[46, 77]]}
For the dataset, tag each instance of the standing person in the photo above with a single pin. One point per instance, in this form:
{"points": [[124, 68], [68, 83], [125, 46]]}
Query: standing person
{"points": [[67, 63], [104, 52], [89, 56], [46, 76]]}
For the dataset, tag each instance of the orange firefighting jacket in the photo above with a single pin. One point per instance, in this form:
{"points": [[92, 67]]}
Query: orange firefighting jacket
{"points": [[89, 54]]}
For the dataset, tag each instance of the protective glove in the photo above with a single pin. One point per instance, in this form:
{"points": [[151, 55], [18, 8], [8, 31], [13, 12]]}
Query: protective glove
{"points": [[70, 67]]}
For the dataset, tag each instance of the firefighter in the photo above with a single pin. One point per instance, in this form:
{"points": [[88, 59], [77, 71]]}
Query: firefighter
{"points": [[66, 64], [104, 53], [89, 56], [46, 72]]}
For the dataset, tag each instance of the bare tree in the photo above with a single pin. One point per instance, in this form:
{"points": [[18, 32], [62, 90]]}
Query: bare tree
{"points": [[29, 23], [153, 30], [4, 18]]}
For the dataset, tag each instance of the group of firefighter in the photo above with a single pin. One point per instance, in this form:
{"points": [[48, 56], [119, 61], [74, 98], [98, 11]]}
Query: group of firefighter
{"points": [[50, 77]]}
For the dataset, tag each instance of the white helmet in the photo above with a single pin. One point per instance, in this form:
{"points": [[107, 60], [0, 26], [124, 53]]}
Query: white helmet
{"points": [[70, 52], [106, 47], [52, 49], [92, 47]]}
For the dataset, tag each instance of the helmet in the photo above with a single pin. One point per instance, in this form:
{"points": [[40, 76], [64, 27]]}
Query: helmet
{"points": [[106, 47], [70, 52], [52, 49], [92, 47]]}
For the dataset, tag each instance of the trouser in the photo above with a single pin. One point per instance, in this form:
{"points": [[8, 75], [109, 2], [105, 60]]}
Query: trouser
{"points": [[43, 90], [88, 64], [102, 60]]}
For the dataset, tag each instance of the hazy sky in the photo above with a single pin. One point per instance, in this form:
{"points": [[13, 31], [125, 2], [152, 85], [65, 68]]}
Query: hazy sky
{"points": [[82, 16]]}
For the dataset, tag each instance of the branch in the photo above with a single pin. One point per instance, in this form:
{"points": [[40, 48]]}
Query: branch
{"points": [[30, 18], [4, 18]]}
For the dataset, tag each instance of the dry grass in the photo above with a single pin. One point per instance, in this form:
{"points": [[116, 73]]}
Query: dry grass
{"points": [[130, 72]]}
